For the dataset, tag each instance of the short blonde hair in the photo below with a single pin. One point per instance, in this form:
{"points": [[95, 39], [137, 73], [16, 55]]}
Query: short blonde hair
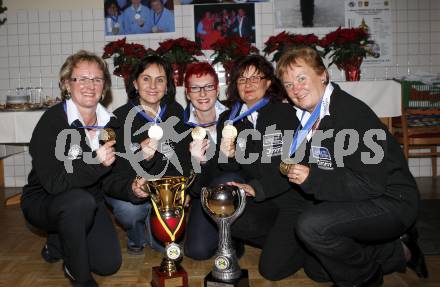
{"points": [[307, 54], [84, 56]]}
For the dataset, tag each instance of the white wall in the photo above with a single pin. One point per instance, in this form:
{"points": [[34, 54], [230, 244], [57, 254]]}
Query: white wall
{"points": [[39, 35], [15, 5]]}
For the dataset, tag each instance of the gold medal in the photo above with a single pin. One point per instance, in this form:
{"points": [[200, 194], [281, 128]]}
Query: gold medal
{"points": [[107, 134], [198, 133], [285, 165]]}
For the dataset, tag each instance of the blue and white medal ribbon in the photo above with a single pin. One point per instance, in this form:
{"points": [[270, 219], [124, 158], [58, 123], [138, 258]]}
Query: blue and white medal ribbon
{"points": [[300, 135], [154, 132], [229, 131]]}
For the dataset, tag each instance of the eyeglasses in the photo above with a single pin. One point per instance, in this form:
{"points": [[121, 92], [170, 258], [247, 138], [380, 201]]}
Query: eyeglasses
{"points": [[301, 79], [197, 89], [252, 79], [85, 81]]}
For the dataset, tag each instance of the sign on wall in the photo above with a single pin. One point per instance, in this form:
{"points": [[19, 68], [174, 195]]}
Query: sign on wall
{"points": [[376, 15]]}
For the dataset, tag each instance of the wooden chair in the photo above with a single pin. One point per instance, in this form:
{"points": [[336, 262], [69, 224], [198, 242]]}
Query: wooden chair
{"points": [[419, 126]]}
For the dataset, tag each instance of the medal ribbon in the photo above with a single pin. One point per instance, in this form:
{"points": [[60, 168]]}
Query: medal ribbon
{"points": [[171, 234], [301, 134], [158, 19], [147, 117], [81, 126], [232, 119], [191, 124]]}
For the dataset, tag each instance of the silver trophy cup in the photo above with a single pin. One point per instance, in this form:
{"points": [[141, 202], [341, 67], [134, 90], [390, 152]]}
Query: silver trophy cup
{"points": [[224, 204]]}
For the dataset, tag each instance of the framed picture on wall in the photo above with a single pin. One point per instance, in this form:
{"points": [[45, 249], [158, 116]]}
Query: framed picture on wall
{"points": [[213, 22], [129, 17], [309, 13], [185, 2]]}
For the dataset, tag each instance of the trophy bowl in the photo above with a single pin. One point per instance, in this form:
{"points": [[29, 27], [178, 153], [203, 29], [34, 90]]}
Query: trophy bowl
{"points": [[167, 225], [222, 201], [224, 204]]}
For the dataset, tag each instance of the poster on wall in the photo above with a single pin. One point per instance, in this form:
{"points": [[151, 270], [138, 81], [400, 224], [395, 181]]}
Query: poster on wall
{"points": [[184, 2], [213, 22], [129, 17], [308, 13], [376, 15]]}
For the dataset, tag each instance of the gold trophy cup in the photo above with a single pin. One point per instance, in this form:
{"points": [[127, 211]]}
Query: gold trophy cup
{"points": [[167, 224]]}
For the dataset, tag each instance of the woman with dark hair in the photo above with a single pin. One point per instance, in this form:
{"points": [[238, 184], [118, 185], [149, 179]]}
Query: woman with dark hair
{"points": [[263, 121], [63, 196], [349, 162], [145, 153], [113, 19]]}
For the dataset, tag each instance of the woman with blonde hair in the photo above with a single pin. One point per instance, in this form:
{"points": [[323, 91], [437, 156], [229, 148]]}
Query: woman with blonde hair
{"points": [[63, 196], [347, 160]]}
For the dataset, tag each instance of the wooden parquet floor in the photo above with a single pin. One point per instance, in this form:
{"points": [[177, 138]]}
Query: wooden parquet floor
{"points": [[22, 266]]}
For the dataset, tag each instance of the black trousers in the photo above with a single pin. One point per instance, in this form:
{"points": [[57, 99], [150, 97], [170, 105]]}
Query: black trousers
{"points": [[307, 11], [353, 239], [83, 229], [201, 240], [271, 226]]}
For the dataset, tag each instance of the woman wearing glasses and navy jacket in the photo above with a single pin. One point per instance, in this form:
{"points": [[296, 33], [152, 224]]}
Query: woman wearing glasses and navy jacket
{"points": [[63, 196], [151, 103], [203, 111], [264, 122]]}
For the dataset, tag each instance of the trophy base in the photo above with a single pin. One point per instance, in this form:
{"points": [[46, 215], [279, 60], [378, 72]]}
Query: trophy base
{"points": [[243, 281], [162, 279]]}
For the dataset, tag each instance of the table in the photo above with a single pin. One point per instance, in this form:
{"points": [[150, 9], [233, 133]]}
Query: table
{"points": [[384, 98]]}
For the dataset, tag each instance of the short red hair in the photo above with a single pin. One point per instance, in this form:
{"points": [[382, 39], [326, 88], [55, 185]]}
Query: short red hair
{"points": [[199, 69]]}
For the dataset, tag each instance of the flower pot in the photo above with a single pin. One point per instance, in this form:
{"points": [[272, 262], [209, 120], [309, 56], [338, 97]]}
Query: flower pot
{"points": [[178, 73], [352, 69]]}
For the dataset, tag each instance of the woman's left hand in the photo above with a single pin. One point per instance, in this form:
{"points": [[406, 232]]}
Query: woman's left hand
{"points": [[298, 173], [249, 190]]}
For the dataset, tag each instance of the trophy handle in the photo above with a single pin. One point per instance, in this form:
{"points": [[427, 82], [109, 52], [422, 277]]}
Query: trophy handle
{"points": [[191, 178], [241, 206], [204, 199]]}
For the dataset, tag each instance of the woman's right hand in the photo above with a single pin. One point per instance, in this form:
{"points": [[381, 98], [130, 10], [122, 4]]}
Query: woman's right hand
{"points": [[227, 147], [138, 187], [198, 149], [106, 153], [149, 147]]}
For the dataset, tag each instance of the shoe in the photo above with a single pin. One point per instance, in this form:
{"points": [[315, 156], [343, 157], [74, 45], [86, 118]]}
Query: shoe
{"points": [[48, 256], [68, 274], [135, 250], [417, 262], [376, 280]]}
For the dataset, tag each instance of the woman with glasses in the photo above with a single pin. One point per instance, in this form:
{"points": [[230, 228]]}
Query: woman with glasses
{"points": [[263, 121], [350, 163], [63, 196], [151, 106], [202, 114]]}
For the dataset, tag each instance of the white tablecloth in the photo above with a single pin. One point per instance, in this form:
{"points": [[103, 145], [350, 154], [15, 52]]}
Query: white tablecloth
{"points": [[17, 127], [384, 97]]}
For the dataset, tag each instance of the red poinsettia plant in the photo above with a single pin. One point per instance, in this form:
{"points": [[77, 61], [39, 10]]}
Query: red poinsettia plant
{"points": [[179, 51], [125, 56], [285, 40], [346, 45], [231, 49]]}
